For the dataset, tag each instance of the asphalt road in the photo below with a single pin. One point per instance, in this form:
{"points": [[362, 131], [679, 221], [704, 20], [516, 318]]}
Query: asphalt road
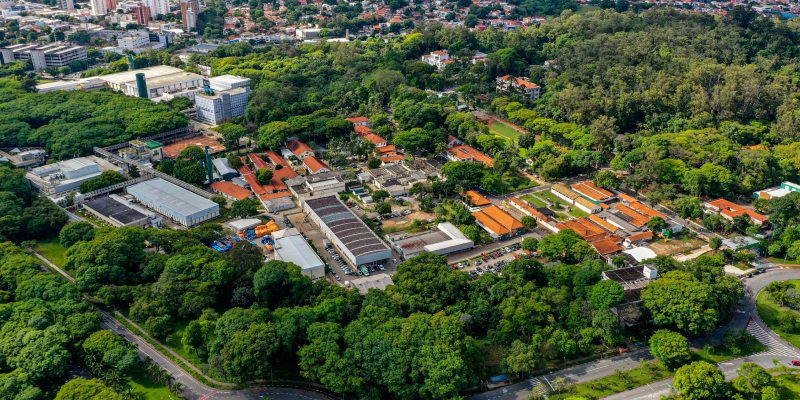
{"points": [[744, 317]]}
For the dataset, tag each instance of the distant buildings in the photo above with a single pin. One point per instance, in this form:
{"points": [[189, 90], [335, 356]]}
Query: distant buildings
{"points": [[225, 98], [458, 151], [307, 33], [730, 210], [190, 9], [509, 83], [52, 55], [157, 7], [136, 41], [66, 5], [141, 13], [439, 59], [773, 193], [66, 176]]}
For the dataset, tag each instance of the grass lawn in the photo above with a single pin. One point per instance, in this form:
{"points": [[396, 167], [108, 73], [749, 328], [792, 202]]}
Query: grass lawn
{"points": [[551, 197], [770, 311], [788, 381], [534, 200], [500, 129], [140, 382], [52, 250], [620, 381], [777, 260], [578, 213]]}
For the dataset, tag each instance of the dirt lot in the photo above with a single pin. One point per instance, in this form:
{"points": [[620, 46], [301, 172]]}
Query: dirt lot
{"points": [[676, 246], [400, 223]]}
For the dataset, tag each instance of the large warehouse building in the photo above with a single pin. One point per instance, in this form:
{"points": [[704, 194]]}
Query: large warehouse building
{"points": [[174, 202], [291, 246], [446, 239], [351, 236]]}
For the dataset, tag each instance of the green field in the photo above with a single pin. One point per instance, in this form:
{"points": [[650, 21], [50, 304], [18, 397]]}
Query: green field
{"points": [[534, 200], [173, 341], [140, 382], [52, 250], [504, 130], [770, 311], [577, 212]]}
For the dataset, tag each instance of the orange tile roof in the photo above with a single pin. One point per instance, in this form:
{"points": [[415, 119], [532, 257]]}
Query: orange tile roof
{"points": [[276, 158], [565, 190], [257, 161], [477, 199], [396, 157], [362, 130], [603, 223], [357, 120], [375, 139], [588, 230], [251, 180], [270, 196], [314, 164], [626, 198], [731, 210], [231, 189], [637, 219], [387, 149], [647, 211], [646, 235], [469, 153], [607, 246], [497, 220], [592, 191], [297, 147], [526, 83], [530, 210]]}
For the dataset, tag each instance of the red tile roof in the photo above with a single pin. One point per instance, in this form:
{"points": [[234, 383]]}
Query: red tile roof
{"points": [[731, 210], [362, 130], [497, 220], [592, 191], [231, 190], [387, 149], [375, 139], [469, 153], [394, 158], [257, 161], [314, 164], [477, 199], [276, 158], [357, 120], [297, 147]]}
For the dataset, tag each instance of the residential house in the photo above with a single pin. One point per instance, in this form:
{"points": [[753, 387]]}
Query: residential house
{"points": [[730, 210], [499, 224], [300, 149], [315, 165], [509, 83], [359, 121]]}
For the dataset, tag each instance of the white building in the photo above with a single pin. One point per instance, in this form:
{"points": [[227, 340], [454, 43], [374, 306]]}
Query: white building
{"points": [[291, 246], [307, 34], [438, 59], [157, 7], [133, 40], [66, 5], [52, 55], [445, 240], [98, 7], [160, 80], [66, 176], [174, 202], [225, 98]]}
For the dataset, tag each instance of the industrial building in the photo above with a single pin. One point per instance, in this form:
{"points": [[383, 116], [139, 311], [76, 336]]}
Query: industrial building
{"points": [[225, 97], [155, 83], [51, 55], [348, 233], [66, 176], [317, 185], [291, 246], [174, 202], [446, 239], [117, 212]]}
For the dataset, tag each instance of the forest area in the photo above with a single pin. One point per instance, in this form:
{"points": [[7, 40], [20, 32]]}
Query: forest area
{"points": [[677, 105]]}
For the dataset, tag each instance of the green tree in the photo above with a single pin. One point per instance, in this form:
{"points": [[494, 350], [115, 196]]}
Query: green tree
{"points": [[383, 208], [106, 352], [715, 243], [701, 381], [606, 294], [75, 232], [466, 175], [247, 355], [244, 208], [87, 389], [671, 348], [679, 300], [657, 224], [566, 246], [273, 135], [264, 176], [752, 379], [105, 179]]}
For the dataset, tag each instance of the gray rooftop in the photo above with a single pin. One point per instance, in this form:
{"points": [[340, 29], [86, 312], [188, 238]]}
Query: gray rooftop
{"points": [[170, 197], [295, 249], [350, 229]]}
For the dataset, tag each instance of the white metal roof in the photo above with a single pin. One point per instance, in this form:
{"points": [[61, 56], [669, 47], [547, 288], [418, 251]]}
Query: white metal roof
{"points": [[641, 253], [295, 249], [171, 197]]}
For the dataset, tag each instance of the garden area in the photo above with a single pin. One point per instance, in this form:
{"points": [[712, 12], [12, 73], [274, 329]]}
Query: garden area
{"points": [[504, 130], [52, 250], [777, 305]]}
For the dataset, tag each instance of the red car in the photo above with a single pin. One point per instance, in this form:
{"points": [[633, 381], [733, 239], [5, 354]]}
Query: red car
{"points": [[796, 363]]}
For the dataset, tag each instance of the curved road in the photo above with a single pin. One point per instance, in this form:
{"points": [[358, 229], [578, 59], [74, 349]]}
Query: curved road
{"points": [[744, 317]]}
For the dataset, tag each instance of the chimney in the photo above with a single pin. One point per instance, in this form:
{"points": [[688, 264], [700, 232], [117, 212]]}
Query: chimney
{"points": [[209, 171], [141, 86]]}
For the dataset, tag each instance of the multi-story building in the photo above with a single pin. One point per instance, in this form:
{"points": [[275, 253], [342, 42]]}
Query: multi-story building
{"points": [[142, 14], [226, 97], [99, 7], [66, 5], [438, 59], [47, 56], [157, 7], [190, 9], [133, 40], [509, 83]]}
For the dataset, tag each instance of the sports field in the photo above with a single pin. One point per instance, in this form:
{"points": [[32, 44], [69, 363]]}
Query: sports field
{"points": [[504, 130]]}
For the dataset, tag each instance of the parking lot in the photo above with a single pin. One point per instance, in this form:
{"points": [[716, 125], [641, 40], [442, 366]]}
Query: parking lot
{"points": [[491, 262]]}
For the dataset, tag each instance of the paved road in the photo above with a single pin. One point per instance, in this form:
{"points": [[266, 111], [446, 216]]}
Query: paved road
{"points": [[192, 388], [745, 317]]}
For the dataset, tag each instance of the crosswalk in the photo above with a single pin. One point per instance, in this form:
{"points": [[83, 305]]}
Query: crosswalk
{"points": [[539, 388], [774, 346]]}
